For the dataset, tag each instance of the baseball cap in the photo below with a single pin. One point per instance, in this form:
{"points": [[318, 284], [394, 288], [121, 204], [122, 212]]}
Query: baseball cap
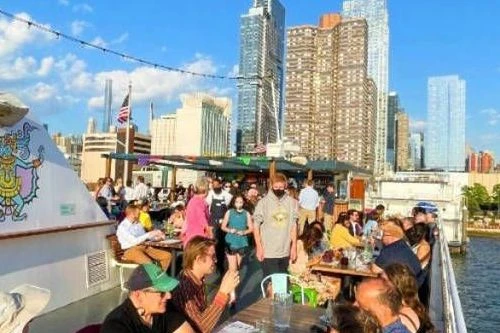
{"points": [[151, 276], [19, 306]]}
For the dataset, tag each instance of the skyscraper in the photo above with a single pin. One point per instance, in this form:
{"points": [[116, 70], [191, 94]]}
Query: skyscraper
{"points": [[392, 109], [417, 150], [402, 141], [330, 101], [375, 13], [108, 100], [260, 88], [445, 138]]}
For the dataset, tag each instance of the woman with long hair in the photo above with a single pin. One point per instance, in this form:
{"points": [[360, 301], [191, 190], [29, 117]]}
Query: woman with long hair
{"points": [[237, 224], [306, 244], [413, 313], [416, 237], [340, 236]]}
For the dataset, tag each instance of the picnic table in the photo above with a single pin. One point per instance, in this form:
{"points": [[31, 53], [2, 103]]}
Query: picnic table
{"points": [[302, 318]]}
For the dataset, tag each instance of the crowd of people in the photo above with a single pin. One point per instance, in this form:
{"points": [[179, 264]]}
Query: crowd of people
{"points": [[221, 223]]}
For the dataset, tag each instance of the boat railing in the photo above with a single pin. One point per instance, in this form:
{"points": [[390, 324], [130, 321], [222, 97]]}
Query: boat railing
{"points": [[445, 306]]}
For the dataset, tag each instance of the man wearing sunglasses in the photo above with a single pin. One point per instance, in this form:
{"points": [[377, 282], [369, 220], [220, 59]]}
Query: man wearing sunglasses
{"points": [[145, 309]]}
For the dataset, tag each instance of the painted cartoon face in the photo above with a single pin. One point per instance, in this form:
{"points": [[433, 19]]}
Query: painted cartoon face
{"points": [[5, 150]]}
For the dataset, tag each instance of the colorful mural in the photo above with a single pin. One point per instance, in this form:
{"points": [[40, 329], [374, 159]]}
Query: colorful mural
{"points": [[18, 172]]}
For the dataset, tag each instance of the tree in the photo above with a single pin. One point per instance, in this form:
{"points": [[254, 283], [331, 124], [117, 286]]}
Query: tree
{"points": [[476, 196], [495, 197]]}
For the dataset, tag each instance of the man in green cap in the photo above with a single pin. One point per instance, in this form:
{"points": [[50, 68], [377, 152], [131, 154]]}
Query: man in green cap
{"points": [[145, 309]]}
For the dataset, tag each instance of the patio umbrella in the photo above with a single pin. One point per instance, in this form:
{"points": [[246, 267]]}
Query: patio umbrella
{"points": [[428, 206]]}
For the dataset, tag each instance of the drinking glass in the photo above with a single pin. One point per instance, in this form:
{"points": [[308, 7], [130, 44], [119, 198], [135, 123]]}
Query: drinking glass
{"points": [[282, 310]]}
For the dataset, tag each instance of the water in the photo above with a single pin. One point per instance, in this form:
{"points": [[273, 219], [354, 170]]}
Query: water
{"points": [[477, 274]]}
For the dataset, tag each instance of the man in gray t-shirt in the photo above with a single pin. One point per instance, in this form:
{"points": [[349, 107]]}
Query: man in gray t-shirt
{"points": [[275, 228]]}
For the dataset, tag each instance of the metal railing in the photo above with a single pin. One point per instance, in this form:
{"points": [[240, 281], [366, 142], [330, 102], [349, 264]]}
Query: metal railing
{"points": [[443, 277]]}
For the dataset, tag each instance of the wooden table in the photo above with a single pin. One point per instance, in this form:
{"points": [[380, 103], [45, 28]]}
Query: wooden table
{"points": [[326, 268], [173, 247], [301, 320]]}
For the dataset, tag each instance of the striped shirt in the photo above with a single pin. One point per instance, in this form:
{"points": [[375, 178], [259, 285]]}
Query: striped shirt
{"points": [[189, 297]]}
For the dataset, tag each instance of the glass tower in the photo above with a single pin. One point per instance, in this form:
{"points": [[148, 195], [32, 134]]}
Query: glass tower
{"points": [[375, 13], [445, 137], [260, 98]]}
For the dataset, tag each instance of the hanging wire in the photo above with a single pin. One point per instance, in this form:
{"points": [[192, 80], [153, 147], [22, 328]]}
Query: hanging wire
{"points": [[59, 34]]}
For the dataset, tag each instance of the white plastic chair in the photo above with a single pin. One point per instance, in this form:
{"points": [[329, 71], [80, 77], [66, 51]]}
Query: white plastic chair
{"points": [[279, 282]]}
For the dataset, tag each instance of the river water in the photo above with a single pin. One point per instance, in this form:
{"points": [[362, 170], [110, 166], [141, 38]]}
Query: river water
{"points": [[478, 278]]}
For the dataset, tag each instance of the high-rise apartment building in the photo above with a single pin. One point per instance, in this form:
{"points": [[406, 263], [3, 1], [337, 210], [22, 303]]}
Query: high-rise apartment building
{"points": [[376, 14], [393, 106], [445, 137], [417, 150], [260, 99], [487, 162], [402, 141], [200, 127], [330, 101], [163, 135]]}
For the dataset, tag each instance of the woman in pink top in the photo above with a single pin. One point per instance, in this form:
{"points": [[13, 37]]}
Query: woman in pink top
{"points": [[197, 213]]}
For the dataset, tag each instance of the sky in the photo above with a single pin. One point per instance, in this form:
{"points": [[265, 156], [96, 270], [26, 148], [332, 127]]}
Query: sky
{"points": [[63, 82]]}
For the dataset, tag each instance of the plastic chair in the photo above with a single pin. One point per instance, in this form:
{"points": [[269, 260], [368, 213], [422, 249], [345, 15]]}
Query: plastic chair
{"points": [[279, 282]]}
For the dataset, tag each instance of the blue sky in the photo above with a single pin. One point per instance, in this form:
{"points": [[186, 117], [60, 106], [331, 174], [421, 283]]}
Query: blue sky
{"points": [[63, 82]]}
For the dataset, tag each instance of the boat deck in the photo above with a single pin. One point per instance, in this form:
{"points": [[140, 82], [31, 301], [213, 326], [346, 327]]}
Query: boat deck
{"points": [[93, 310]]}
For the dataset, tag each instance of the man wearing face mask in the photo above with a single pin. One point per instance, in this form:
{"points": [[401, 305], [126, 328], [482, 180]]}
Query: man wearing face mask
{"points": [[275, 228], [218, 203]]}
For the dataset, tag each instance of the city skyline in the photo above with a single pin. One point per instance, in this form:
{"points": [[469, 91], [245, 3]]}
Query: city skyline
{"points": [[64, 83]]}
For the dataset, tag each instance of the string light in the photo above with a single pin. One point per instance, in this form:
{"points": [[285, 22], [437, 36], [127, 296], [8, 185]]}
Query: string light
{"points": [[83, 43]]}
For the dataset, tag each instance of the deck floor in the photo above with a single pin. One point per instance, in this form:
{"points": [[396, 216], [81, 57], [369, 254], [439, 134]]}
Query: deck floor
{"points": [[92, 310]]}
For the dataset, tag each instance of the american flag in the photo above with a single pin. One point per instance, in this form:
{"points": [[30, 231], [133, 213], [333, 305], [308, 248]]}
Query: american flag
{"points": [[124, 112]]}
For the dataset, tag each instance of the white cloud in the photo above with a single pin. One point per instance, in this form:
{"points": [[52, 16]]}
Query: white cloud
{"points": [[42, 91], [63, 2], [83, 8], [120, 39], [99, 41], [78, 26], [152, 84], [493, 116], [417, 125], [14, 35], [45, 66]]}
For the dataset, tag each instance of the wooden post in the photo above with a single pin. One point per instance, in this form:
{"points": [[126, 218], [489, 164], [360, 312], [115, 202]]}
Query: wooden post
{"points": [[173, 182], [108, 167], [309, 174], [272, 169]]}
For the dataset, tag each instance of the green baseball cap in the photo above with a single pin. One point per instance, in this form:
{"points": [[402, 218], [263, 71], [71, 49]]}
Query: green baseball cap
{"points": [[151, 276]]}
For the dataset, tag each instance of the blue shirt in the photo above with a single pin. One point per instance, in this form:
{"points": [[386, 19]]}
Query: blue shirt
{"points": [[308, 198], [396, 327], [369, 226], [400, 252]]}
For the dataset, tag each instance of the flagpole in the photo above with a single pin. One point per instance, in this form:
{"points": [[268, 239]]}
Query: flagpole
{"points": [[127, 133]]}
